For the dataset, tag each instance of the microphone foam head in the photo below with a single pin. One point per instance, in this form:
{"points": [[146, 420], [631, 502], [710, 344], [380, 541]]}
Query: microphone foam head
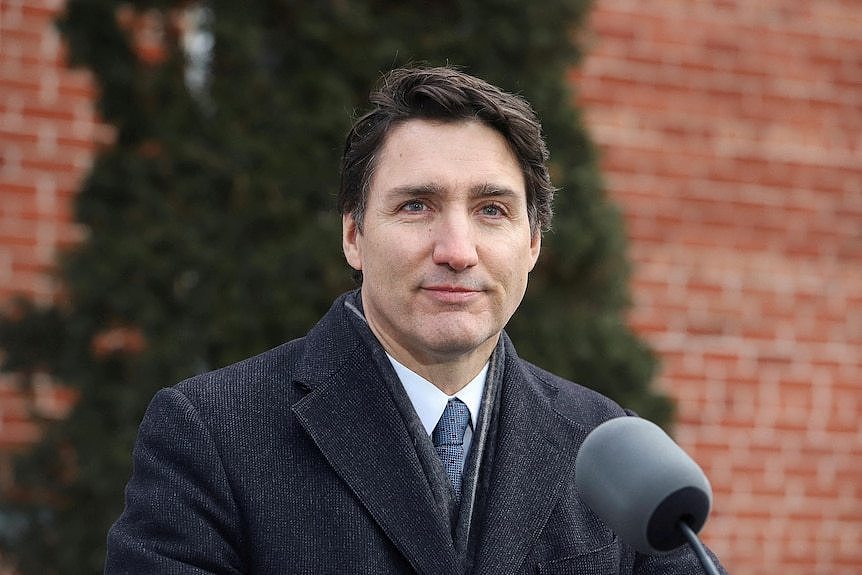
{"points": [[641, 484]]}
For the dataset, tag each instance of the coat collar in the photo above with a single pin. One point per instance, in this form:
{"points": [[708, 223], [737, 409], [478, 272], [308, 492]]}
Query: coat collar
{"points": [[353, 419], [534, 459]]}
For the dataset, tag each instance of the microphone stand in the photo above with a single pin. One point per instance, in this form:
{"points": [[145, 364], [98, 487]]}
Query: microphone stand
{"points": [[698, 548]]}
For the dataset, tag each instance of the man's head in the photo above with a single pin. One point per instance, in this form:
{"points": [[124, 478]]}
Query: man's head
{"points": [[447, 95], [444, 198]]}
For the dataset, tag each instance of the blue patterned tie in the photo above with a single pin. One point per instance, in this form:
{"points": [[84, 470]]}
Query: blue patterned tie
{"points": [[448, 438]]}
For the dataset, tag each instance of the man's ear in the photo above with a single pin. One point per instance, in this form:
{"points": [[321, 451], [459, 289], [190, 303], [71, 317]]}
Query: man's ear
{"points": [[535, 248], [350, 241]]}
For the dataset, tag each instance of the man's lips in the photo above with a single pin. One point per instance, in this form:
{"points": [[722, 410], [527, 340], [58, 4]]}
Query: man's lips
{"points": [[451, 293], [448, 288]]}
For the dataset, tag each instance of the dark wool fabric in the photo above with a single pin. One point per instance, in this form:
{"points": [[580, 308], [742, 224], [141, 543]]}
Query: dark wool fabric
{"points": [[305, 459], [435, 473]]}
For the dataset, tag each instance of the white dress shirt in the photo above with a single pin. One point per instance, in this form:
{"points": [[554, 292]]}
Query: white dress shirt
{"points": [[429, 401]]}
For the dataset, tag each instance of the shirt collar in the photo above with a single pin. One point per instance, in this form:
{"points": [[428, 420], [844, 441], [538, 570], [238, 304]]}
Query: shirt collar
{"points": [[429, 401]]}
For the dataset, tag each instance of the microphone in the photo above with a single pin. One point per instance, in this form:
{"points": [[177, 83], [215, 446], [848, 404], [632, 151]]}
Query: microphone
{"points": [[644, 486]]}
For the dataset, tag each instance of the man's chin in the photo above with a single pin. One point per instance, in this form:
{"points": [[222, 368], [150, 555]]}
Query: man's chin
{"points": [[452, 346]]}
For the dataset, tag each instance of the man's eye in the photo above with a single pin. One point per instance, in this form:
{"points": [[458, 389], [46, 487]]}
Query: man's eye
{"points": [[492, 210], [415, 206]]}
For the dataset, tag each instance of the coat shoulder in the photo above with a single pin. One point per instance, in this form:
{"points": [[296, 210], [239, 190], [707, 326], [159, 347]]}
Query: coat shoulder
{"points": [[575, 402], [252, 380]]}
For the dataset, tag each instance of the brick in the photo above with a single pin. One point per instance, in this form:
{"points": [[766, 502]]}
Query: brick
{"points": [[34, 111], [42, 11]]}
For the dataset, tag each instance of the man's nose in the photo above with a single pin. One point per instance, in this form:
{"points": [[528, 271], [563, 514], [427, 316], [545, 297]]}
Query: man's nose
{"points": [[455, 242]]}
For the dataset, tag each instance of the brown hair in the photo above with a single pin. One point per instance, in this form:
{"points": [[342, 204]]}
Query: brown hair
{"points": [[445, 94]]}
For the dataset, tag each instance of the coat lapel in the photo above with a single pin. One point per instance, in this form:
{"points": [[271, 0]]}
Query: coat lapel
{"points": [[534, 459], [354, 421]]}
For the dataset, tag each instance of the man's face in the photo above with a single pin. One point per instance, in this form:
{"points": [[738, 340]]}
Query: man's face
{"points": [[445, 247]]}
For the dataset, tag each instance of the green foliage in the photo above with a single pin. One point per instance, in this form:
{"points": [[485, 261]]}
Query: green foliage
{"points": [[212, 232]]}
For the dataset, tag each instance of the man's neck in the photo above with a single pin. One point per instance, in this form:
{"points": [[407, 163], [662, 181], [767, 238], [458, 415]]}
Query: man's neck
{"points": [[450, 378]]}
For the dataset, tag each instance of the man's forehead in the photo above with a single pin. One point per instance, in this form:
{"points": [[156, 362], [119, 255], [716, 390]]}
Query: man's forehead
{"points": [[422, 156]]}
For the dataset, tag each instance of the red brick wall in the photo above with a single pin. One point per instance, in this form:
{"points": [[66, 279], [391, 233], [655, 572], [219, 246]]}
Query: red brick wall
{"points": [[48, 133], [731, 135]]}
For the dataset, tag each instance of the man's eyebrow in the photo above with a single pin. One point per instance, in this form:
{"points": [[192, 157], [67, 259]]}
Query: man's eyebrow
{"points": [[493, 190], [488, 190], [414, 191]]}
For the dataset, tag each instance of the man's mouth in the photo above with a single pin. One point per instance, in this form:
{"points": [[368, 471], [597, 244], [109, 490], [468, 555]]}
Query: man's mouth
{"points": [[451, 294]]}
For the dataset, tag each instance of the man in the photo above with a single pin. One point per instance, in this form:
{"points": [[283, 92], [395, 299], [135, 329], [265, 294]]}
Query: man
{"points": [[403, 434]]}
